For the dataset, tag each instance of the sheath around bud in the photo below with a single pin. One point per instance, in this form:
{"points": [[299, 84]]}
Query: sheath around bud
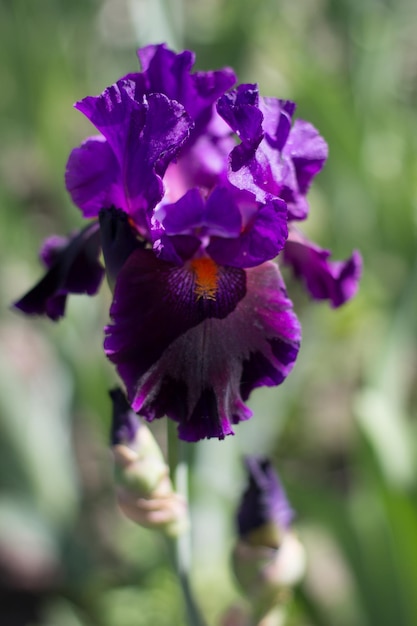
{"points": [[266, 575], [144, 490]]}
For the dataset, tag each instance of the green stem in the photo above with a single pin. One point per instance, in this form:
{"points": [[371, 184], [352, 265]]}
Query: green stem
{"points": [[180, 547]]}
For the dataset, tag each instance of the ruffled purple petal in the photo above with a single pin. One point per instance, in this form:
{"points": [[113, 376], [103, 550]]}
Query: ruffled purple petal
{"points": [[277, 121], [261, 240], [93, 177], [240, 109], [169, 73], [201, 377], [308, 151], [155, 302], [272, 159], [336, 281], [73, 268], [204, 156], [144, 137], [264, 500]]}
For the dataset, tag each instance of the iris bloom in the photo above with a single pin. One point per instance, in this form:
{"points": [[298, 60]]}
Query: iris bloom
{"points": [[197, 186]]}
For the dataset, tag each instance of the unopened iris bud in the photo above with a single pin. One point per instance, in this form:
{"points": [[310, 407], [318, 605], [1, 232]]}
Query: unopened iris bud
{"points": [[264, 513], [144, 493], [268, 558]]}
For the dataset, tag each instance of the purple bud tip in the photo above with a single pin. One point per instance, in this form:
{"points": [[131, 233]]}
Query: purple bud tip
{"points": [[125, 422], [264, 500]]}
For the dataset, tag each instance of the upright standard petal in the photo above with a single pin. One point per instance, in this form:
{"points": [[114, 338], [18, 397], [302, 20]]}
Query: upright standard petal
{"points": [[204, 156], [273, 159], [200, 372], [73, 267], [126, 170], [170, 73], [336, 281]]}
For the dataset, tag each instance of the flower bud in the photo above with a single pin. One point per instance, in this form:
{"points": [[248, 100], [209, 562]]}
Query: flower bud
{"points": [[144, 493], [268, 558]]}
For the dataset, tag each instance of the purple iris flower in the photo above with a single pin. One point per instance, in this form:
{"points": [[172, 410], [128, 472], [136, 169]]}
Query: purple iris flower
{"points": [[194, 186]]}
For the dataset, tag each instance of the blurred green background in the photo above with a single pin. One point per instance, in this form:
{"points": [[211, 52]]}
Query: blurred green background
{"points": [[341, 431]]}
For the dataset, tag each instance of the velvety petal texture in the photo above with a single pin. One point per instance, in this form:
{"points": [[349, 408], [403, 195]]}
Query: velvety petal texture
{"points": [[200, 375], [155, 302], [336, 281], [73, 267]]}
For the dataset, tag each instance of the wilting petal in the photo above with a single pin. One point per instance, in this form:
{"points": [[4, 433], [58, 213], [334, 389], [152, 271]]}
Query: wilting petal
{"points": [[264, 500], [261, 240], [73, 268], [155, 302], [93, 177], [201, 377], [336, 281]]}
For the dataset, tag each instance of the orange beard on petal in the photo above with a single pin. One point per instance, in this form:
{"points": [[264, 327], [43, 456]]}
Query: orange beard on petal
{"points": [[206, 273]]}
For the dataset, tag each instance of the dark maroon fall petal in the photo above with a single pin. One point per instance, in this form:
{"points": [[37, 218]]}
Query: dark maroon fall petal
{"points": [[74, 267]]}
